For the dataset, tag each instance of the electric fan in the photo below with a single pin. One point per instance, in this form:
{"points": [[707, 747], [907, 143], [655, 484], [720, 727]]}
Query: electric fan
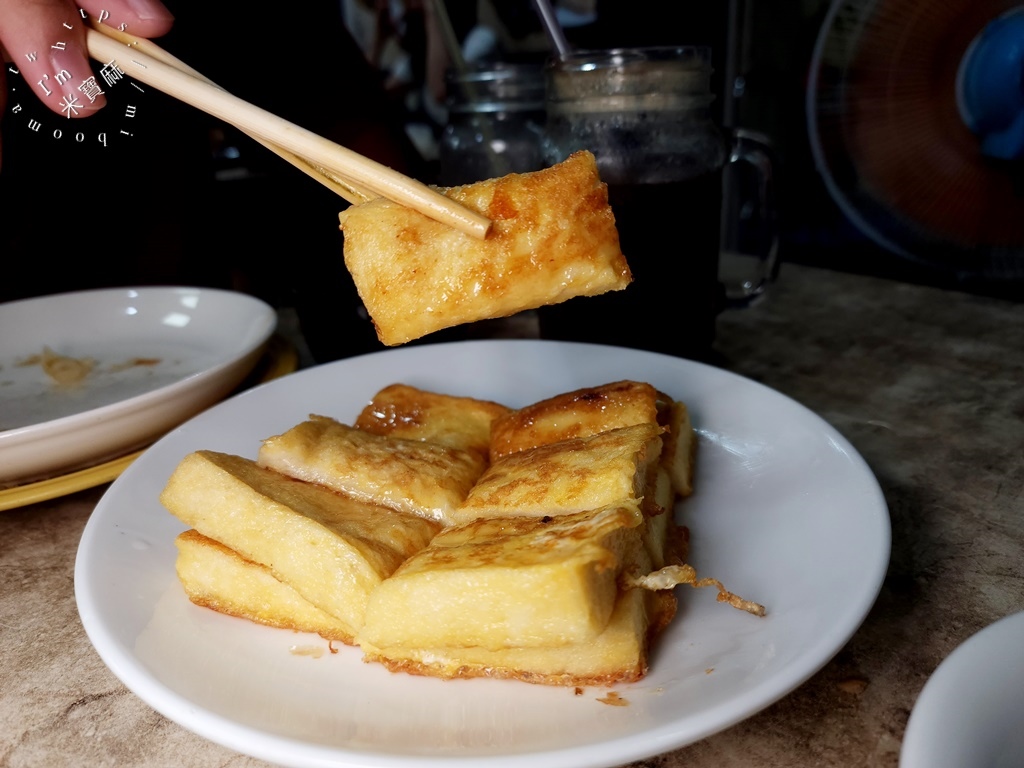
{"points": [[915, 114]]}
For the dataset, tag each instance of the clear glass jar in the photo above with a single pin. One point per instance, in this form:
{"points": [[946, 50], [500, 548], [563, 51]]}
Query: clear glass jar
{"points": [[645, 114], [495, 122]]}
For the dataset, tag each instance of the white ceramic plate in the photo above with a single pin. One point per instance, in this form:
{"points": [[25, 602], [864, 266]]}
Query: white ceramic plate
{"points": [[970, 713], [785, 513], [160, 355]]}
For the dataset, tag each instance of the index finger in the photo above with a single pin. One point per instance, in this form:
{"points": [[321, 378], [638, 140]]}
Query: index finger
{"points": [[142, 18]]}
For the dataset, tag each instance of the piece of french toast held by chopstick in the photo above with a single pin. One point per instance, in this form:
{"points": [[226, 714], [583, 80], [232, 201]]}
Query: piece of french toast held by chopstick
{"points": [[424, 258], [553, 237]]}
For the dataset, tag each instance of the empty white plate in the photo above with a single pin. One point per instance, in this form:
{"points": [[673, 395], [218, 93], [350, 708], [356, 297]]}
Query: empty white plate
{"points": [[151, 358]]}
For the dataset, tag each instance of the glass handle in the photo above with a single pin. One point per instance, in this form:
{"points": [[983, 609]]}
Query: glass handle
{"points": [[748, 261]]}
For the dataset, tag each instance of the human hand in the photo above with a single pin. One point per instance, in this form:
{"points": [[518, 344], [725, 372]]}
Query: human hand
{"points": [[45, 41]]}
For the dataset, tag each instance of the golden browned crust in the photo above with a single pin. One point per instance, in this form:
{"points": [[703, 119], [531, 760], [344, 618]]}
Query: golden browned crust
{"points": [[553, 238], [400, 410], [413, 476], [567, 476], [464, 671], [580, 413]]}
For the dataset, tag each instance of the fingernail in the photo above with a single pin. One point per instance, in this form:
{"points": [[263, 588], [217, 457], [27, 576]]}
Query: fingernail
{"points": [[150, 10], [72, 84]]}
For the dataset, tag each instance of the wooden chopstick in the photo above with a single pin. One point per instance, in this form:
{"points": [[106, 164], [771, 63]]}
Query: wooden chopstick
{"points": [[349, 167], [333, 182]]}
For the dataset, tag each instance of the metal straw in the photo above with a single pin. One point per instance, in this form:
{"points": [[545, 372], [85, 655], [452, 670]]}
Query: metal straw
{"points": [[552, 27]]}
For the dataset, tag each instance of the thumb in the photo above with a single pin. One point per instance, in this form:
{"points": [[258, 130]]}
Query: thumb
{"points": [[46, 42]]}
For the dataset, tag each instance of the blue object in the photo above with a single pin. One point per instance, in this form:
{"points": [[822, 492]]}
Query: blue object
{"points": [[990, 86]]}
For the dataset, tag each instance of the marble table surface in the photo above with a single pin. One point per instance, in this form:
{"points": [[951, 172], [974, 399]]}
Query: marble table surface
{"points": [[925, 383]]}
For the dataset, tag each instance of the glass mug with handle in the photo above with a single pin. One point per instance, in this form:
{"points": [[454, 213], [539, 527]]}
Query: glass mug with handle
{"points": [[645, 114]]}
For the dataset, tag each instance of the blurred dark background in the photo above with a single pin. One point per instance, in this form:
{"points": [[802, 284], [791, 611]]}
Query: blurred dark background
{"points": [[188, 200]]}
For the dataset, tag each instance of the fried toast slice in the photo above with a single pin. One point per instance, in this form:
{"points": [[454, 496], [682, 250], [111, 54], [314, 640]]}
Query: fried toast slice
{"points": [[553, 238], [411, 413], [572, 475], [218, 578], [619, 653], [590, 410], [412, 476], [506, 583], [580, 413], [331, 549]]}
